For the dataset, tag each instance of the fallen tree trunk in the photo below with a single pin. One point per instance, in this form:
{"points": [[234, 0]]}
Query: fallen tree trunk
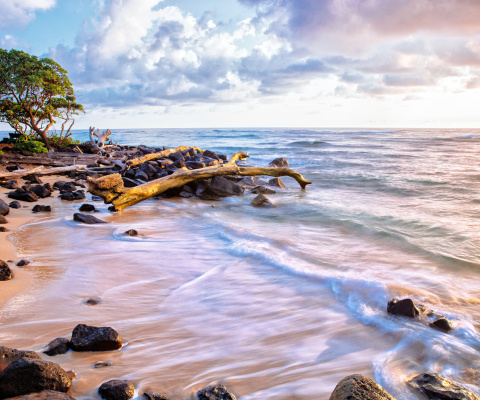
{"points": [[40, 171], [157, 156], [111, 189]]}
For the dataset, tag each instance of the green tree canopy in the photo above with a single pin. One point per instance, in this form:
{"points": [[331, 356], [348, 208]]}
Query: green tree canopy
{"points": [[35, 94]]}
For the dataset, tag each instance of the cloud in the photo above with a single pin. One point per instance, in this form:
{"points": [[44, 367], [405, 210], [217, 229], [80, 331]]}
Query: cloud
{"points": [[19, 13]]}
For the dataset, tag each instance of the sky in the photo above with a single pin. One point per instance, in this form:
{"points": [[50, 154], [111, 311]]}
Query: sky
{"points": [[259, 63]]}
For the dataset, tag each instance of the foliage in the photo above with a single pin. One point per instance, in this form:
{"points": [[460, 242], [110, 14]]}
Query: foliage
{"points": [[27, 143], [35, 94], [62, 141]]}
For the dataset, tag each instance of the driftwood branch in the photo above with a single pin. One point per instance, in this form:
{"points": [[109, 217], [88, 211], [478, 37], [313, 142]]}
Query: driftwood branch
{"points": [[40, 171], [111, 189], [99, 143], [159, 155]]}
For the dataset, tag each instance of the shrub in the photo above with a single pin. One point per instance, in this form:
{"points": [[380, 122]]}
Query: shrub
{"points": [[58, 141], [31, 145]]}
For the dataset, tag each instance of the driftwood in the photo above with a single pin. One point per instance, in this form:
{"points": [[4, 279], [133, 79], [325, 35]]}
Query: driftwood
{"points": [[99, 143], [111, 189], [40, 171], [157, 156]]}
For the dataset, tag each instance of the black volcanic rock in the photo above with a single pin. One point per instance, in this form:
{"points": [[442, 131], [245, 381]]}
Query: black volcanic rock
{"points": [[92, 338], [116, 389], [436, 386], [404, 307], [215, 392], [87, 219], [5, 271]]}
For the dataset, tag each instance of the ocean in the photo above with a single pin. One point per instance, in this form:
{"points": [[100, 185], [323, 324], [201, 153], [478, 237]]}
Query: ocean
{"points": [[278, 303]]}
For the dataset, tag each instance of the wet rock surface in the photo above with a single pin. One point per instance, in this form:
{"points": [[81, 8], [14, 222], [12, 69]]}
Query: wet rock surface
{"points": [[154, 396], [91, 338], [215, 392], [4, 208], [8, 355], [436, 386], [5, 271], [39, 208], [359, 387], [87, 219], [116, 389], [44, 395], [404, 307], [57, 346], [262, 201]]}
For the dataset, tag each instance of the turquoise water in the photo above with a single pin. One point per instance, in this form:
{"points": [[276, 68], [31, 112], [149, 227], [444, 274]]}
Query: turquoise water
{"points": [[282, 302]]}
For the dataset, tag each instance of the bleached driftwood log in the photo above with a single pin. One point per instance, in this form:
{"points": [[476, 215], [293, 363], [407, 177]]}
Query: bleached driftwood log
{"points": [[159, 155], [40, 171], [111, 189], [99, 143]]}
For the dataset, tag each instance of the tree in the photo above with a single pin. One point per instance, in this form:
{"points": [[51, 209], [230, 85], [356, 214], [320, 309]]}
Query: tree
{"points": [[34, 93]]}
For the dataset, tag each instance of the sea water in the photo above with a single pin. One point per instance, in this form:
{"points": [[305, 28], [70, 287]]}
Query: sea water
{"points": [[278, 303]]}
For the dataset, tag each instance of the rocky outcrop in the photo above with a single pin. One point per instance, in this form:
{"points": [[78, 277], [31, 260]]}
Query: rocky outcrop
{"points": [[215, 392], [5, 271], [359, 387], [87, 219], [404, 307], [57, 346], [116, 389], [91, 338], [8, 356], [435, 386], [29, 375]]}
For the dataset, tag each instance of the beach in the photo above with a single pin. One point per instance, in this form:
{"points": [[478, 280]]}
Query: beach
{"points": [[274, 303]]}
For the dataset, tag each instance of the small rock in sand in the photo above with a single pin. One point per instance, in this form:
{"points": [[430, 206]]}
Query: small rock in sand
{"points": [[39, 208], [5, 271], [87, 219], [23, 262]]}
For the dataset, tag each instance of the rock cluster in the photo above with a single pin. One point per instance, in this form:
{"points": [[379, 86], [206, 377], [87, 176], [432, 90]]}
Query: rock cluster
{"points": [[407, 308]]}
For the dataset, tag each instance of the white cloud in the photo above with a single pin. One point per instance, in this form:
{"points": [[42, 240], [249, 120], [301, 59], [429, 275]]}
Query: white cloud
{"points": [[19, 13]]}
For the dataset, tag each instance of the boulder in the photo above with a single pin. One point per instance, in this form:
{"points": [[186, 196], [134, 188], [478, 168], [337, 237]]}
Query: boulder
{"points": [[13, 184], [131, 232], [5, 271], [91, 338], [29, 375], [215, 392], [87, 208], [435, 386], [4, 208], [3, 220], [22, 195], [87, 219], [279, 162], [277, 182], [14, 204], [116, 389], [155, 396], [41, 191], [404, 307], [8, 356], [262, 201], [71, 196], [442, 324], [252, 181], [262, 190], [359, 387], [44, 395], [64, 186], [57, 346], [176, 156], [39, 208], [23, 262], [210, 154], [219, 187]]}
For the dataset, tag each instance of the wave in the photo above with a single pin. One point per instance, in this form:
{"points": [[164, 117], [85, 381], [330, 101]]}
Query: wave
{"points": [[307, 143]]}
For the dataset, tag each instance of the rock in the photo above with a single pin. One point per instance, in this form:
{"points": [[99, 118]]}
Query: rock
{"points": [[87, 219], [141, 175], [8, 356], [14, 204], [194, 165], [102, 364], [4, 208], [262, 201], [279, 162], [116, 389], [435, 386], [11, 168], [44, 395], [148, 169], [277, 182], [41, 191], [3, 229], [442, 324], [22, 195], [23, 262], [57, 346], [404, 307], [49, 187], [64, 186], [263, 190], [28, 375], [176, 156], [359, 387], [211, 154], [71, 196], [5, 271], [155, 396], [131, 232], [13, 184], [93, 301], [96, 198], [33, 178], [91, 338], [87, 207], [129, 183], [215, 392], [3, 220], [39, 208], [252, 181], [219, 187]]}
